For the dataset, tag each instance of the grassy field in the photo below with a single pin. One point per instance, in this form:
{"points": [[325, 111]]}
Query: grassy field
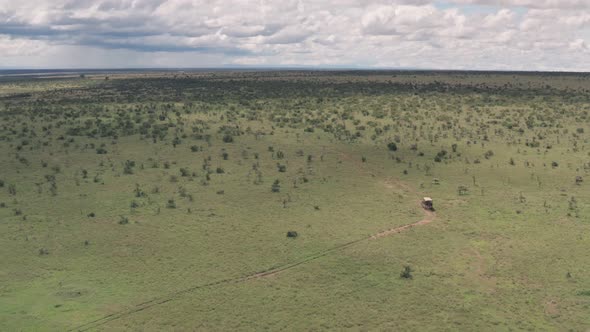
{"points": [[162, 201]]}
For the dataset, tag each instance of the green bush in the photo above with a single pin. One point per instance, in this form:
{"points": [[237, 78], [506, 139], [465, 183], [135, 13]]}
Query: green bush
{"points": [[406, 273], [276, 186], [171, 204]]}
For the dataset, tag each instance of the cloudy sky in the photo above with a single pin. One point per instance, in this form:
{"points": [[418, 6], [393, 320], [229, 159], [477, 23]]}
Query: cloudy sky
{"points": [[428, 34]]}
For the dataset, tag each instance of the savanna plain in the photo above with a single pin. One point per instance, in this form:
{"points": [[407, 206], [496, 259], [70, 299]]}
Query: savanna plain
{"points": [[291, 200]]}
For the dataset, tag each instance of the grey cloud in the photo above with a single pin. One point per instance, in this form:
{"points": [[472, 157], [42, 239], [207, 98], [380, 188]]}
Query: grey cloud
{"points": [[288, 36], [545, 4], [252, 31]]}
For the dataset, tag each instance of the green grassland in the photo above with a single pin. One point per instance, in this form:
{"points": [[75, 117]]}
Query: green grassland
{"points": [[148, 202]]}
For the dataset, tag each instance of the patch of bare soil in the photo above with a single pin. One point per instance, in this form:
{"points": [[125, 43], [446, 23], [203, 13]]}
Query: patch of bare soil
{"points": [[392, 183], [551, 308], [489, 283]]}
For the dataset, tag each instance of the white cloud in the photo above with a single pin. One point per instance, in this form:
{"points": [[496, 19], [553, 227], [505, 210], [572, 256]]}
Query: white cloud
{"points": [[505, 34], [10, 47]]}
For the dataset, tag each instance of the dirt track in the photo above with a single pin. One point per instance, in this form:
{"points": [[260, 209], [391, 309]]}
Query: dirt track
{"points": [[428, 218]]}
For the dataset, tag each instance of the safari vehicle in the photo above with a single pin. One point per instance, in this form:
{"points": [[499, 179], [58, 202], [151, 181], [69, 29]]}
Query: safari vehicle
{"points": [[427, 203]]}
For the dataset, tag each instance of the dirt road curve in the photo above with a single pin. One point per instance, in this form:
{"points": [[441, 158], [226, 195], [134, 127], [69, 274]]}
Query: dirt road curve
{"points": [[428, 218]]}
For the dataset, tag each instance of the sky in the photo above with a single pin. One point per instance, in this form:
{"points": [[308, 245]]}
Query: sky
{"points": [[534, 35]]}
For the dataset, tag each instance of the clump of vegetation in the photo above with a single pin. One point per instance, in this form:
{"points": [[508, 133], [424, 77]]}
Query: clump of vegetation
{"points": [[406, 273], [463, 190], [228, 138], [12, 189], [171, 204], [440, 156], [128, 167], [276, 186]]}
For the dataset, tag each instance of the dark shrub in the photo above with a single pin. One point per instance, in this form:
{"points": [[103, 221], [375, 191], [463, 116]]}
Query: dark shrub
{"points": [[227, 138], [184, 172], [171, 204], [406, 272], [392, 146], [276, 186]]}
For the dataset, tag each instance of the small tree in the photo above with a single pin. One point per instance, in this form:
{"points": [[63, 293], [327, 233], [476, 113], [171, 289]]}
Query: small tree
{"points": [[573, 203], [123, 220], [276, 186], [406, 273], [138, 192], [128, 169], [171, 204]]}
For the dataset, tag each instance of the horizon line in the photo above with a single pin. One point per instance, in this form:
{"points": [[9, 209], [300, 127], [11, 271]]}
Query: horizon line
{"points": [[31, 70]]}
